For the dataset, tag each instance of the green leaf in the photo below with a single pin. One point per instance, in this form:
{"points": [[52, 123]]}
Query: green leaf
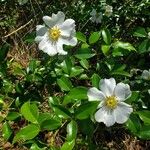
{"points": [[95, 80], [12, 115], [123, 45], [134, 97], [106, 36], [140, 32], [77, 70], [6, 131], [77, 93], [50, 124], [35, 147], [30, 112], [144, 133], [26, 133], [81, 37], [44, 116], [68, 145], [94, 37], [85, 110], [105, 49], [144, 47], [66, 65], [64, 83], [84, 63], [133, 123], [61, 111], [144, 116], [84, 53], [72, 130]]}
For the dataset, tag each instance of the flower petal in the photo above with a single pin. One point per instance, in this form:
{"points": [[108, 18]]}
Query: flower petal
{"points": [[95, 95], [46, 46], [67, 27], [146, 74], [60, 49], [40, 31], [56, 19], [68, 41], [106, 116], [107, 86], [122, 112], [122, 91]]}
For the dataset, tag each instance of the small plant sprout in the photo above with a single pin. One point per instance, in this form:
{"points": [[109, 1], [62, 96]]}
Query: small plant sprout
{"points": [[55, 33], [112, 107], [96, 16], [146, 74]]}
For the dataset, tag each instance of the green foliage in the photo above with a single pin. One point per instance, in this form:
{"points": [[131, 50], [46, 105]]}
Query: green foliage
{"points": [[43, 99]]}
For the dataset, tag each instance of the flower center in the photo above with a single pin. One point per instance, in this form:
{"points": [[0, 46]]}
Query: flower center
{"points": [[54, 33], [111, 102]]}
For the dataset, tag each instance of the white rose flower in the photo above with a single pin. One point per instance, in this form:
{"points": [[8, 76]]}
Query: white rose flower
{"points": [[146, 74], [96, 17], [112, 107], [108, 10], [55, 33]]}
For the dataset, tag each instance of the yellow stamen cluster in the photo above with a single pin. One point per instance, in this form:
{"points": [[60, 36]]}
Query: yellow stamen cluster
{"points": [[54, 33], [111, 102]]}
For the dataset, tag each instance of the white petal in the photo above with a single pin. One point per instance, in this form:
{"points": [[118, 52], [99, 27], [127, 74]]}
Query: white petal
{"points": [[146, 74], [60, 49], [40, 31], [107, 86], [122, 91], [122, 112], [106, 116], [95, 95], [68, 41], [67, 27], [46, 46], [56, 19]]}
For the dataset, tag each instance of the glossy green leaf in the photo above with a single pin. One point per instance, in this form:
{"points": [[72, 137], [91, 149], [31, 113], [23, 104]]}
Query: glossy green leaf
{"points": [[30, 112], [81, 37], [12, 115], [78, 93], [144, 133], [72, 130], [6, 131], [36, 147], [64, 83], [84, 63], [94, 37], [61, 111], [50, 124], [27, 133], [66, 65], [105, 49], [106, 36], [68, 145], [85, 110], [84, 53], [144, 116], [77, 70], [123, 45], [144, 46], [140, 32], [95, 80], [133, 123]]}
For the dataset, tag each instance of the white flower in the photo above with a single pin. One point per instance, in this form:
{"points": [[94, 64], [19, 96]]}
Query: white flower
{"points": [[55, 33], [146, 74], [96, 17], [112, 107], [108, 10]]}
